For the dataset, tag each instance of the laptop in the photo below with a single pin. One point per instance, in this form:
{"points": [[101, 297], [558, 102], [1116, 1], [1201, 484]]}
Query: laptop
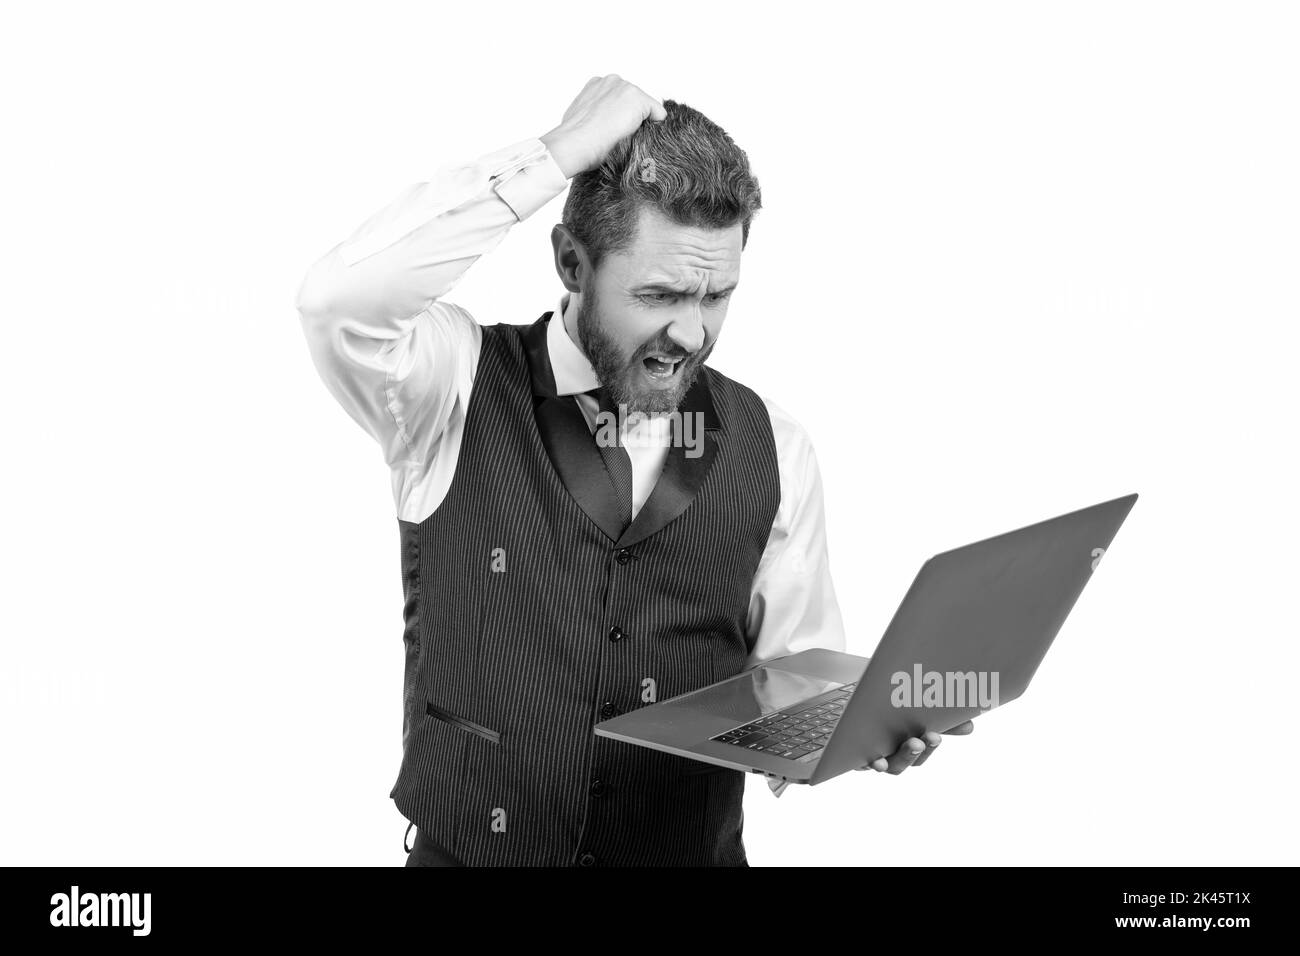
{"points": [[967, 637]]}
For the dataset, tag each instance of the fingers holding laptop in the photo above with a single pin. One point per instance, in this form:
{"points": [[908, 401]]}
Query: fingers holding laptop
{"points": [[915, 751], [933, 739], [900, 759]]}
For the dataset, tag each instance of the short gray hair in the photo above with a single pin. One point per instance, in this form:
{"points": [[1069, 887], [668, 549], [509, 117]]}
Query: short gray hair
{"points": [[685, 166]]}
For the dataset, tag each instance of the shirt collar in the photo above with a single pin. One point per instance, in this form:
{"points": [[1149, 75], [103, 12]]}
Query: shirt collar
{"points": [[571, 368]]}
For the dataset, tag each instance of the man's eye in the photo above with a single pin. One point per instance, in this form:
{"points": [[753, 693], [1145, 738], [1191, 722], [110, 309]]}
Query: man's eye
{"points": [[657, 296], [716, 297]]}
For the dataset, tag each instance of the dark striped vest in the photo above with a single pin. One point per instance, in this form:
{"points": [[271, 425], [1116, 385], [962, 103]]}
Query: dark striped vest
{"points": [[529, 617]]}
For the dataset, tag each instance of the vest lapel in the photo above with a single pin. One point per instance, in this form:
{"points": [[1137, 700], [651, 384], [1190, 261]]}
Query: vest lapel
{"points": [[569, 444], [576, 458]]}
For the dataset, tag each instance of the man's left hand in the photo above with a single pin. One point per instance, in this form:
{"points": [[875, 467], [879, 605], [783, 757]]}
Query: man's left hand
{"points": [[915, 751]]}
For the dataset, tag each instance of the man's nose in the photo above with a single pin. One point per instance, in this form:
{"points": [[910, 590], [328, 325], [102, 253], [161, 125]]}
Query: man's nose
{"points": [[687, 329]]}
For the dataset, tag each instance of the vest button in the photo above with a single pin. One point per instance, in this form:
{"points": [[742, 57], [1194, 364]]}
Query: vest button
{"points": [[622, 555], [599, 788], [608, 710], [586, 860], [616, 634]]}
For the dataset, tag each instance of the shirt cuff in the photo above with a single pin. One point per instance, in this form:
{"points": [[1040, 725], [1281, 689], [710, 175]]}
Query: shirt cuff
{"points": [[526, 173], [528, 187]]}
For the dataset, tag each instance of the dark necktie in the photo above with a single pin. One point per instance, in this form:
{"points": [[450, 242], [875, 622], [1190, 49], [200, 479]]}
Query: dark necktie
{"points": [[617, 461]]}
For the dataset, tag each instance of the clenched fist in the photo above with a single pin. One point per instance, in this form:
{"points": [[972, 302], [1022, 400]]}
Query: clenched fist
{"points": [[607, 109]]}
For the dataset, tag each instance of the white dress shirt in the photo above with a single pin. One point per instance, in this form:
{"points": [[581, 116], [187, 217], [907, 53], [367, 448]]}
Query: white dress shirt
{"points": [[401, 359]]}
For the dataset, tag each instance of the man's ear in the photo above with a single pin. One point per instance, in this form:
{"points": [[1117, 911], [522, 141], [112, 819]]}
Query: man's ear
{"points": [[571, 262]]}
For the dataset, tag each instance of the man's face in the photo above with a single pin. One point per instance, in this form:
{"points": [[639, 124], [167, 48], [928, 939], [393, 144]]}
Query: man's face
{"points": [[652, 313]]}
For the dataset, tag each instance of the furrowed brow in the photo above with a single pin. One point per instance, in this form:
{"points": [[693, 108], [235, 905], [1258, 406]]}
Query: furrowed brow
{"points": [[676, 290]]}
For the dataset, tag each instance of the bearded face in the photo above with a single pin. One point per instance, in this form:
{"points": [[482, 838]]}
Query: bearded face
{"points": [[649, 317]]}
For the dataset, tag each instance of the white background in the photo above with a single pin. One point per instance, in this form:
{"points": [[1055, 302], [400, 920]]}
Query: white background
{"points": [[1014, 259]]}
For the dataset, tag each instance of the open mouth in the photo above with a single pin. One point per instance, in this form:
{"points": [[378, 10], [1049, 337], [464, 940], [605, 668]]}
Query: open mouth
{"points": [[661, 368]]}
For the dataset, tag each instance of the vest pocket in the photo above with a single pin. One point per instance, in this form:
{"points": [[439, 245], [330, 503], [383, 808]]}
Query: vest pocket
{"points": [[467, 725]]}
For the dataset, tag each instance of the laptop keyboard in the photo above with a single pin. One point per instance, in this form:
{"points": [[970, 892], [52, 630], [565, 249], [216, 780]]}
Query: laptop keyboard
{"points": [[798, 732]]}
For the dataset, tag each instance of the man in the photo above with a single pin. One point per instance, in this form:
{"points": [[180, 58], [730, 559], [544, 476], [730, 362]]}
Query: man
{"points": [[558, 571]]}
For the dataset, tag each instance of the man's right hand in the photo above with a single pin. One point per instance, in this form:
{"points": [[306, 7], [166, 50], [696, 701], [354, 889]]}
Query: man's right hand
{"points": [[607, 109]]}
